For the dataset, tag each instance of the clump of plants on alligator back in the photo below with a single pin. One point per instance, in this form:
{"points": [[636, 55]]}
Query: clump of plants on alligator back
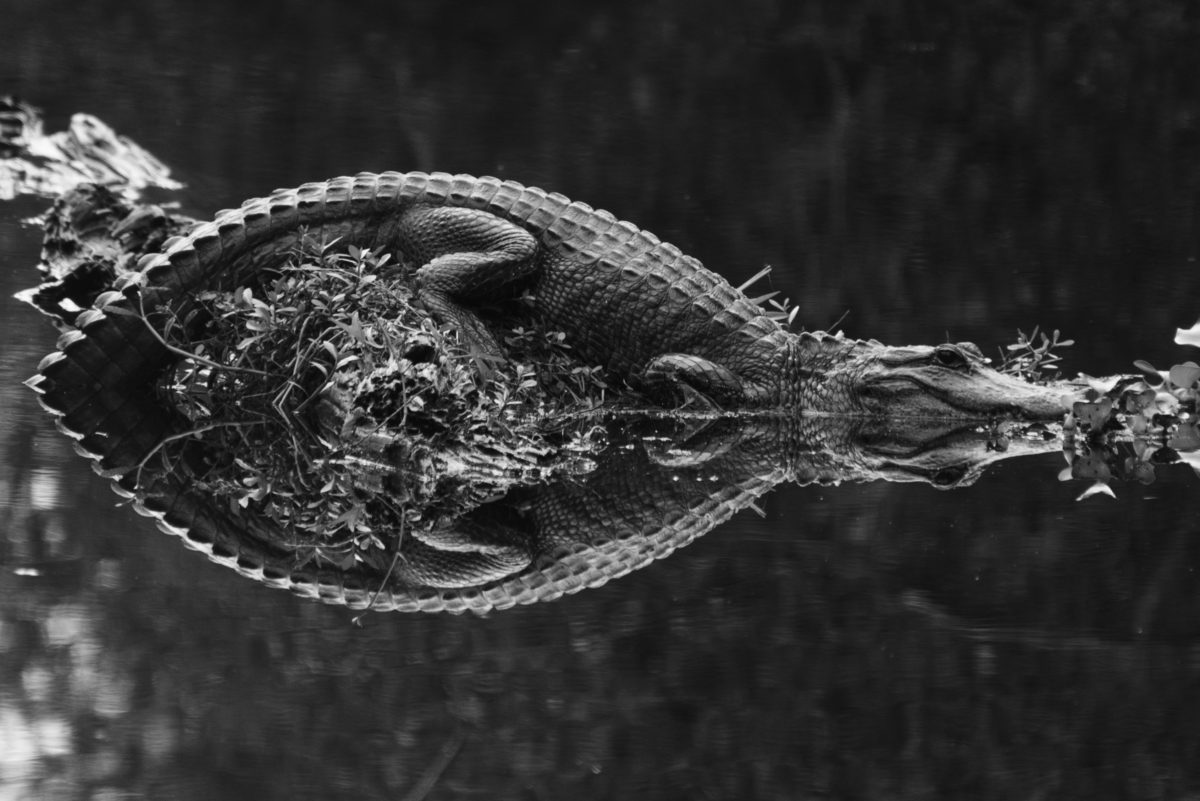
{"points": [[1034, 356], [323, 401]]}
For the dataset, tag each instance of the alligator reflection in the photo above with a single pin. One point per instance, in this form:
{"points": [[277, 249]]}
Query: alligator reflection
{"points": [[655, 486], [35, 163]]}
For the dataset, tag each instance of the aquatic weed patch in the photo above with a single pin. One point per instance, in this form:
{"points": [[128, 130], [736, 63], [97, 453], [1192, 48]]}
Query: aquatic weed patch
{"points": [[1125, 426], [1129, 425]]}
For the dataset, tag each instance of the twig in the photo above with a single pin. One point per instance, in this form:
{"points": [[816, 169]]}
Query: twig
{"points": [[182, 435], [434, 772], [357, 619], [180, 351]]}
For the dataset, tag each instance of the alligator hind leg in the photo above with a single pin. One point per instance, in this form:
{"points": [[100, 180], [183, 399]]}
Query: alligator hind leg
{"points": [[696, 381], [465, 255]]}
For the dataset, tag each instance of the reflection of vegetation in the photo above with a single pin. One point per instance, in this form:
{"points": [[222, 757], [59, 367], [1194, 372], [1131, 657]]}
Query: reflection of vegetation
{"points": [[756, 662]]}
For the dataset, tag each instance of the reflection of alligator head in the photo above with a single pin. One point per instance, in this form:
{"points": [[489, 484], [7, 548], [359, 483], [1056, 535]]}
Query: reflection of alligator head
{"points": [[642, 500]]}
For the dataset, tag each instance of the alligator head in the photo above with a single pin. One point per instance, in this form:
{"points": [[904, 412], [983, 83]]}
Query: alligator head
{"points": [[951, 381]]}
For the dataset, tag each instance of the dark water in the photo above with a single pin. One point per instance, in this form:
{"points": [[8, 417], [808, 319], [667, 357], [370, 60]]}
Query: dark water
{"points": [[935, 169]]}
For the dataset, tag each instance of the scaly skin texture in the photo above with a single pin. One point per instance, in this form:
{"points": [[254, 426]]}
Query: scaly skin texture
{"points": [[91, 236], [649, 314]]}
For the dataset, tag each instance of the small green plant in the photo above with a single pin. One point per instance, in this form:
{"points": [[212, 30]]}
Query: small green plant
{"points": [[782, 311], [1034, 357]]}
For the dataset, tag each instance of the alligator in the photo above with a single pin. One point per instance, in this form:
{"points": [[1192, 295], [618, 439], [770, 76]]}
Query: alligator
{"points": [[777, 405], [650, 315]]}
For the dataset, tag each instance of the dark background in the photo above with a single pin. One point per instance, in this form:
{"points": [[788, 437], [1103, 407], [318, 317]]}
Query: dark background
{"points": [[933, 170]]}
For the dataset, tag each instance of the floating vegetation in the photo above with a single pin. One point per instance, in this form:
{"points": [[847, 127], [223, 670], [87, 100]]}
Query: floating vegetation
{"points": [[325, 400], [1127, 425], [1188, 336], [1130, 424]]}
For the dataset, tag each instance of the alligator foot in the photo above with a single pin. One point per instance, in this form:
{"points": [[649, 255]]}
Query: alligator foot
{"points": [[691, 380], [694, 442], [465, 254], [465, 554], [474, 335]]}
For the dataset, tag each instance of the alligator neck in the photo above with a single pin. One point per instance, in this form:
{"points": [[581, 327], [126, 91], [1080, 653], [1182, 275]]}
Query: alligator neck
{"points": [[814, 364]]}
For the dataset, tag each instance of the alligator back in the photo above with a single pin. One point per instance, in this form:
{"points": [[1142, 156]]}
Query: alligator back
{"points": [[621, 294]]}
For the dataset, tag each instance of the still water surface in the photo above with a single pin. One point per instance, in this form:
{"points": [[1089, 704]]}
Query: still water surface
{"points": [[931, 173]]}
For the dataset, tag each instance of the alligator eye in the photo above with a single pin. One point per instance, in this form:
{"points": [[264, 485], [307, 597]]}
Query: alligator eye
{"points": [[948, 476], [950, 356]]}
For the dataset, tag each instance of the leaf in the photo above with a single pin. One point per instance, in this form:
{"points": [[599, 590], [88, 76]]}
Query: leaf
{"points": [[1184, 375], [1094, 415], [1188, 336], [1151, 372], [1099, 488], [1090, 466], [1137, 401], [1166, 403], [1141, 471], [120, 312], [1185, 438], [755, 278]]}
